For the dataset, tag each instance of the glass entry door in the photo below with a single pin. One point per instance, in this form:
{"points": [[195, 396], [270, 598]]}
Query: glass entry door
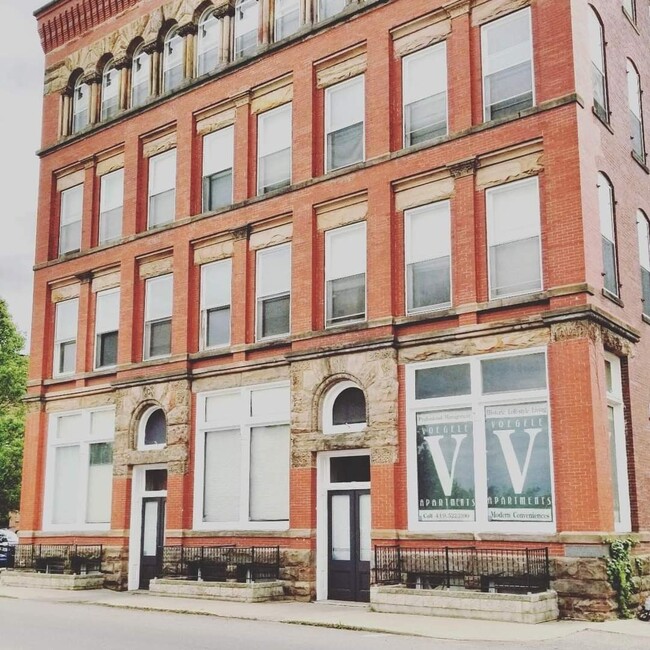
{"points": [[153, 535], [349, 546]]}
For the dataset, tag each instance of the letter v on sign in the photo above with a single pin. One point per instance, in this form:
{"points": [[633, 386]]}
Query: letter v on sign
{"points": [[517, 473], [445, 474]]}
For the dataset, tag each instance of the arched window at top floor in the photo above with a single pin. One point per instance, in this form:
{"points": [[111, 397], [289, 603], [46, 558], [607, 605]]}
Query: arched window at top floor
{"points": [[630, 9], [110, 90], [246, 27], [329, 8], [598, 67], [636, 113], [80, 105], [173, 55], [608, 233], [287, 18], [140, 77], [208, 42], [643, 228]]}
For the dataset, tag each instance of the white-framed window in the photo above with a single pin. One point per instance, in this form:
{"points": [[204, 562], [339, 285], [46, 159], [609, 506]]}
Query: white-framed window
{"points": [[80, 105], [273, 289], [172, 60], [218, 151], [598, 66], [424, 94], [479, 444], [643, 228], [274, 149], [70, 220], [140, 77], [345, 274], [617, 444], [329, 8], [507, 59], [243, 459], [345, 123], [79, 470], [635, 110], [514, 241], [162, 188], [111, 205], [608, 234], [344, 409], [427, 240], [152, 430], [208, 43], [630, 9], [216, 287], [287, 18], [158, 307], [246, 26], [65, 337], [110, 90], [107, 325]]}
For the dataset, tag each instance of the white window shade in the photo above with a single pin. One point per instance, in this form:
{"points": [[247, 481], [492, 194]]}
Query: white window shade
{"points": [[223, 409], [596, 42], [221, 498], [606, 207], [218, 151], [69, 427], [425, 73], [72, 205], [345, 252], [274, 130], [107, 318], [345, 104], [173, 51], [162, 172], [270, 403], [100, 483], [159, 294], [274, 271], [215, 284], [66, 485], [112, 191], [514, 212], [428, 233], [66, 320], [269, 473], [507, 42], [102, 424]]}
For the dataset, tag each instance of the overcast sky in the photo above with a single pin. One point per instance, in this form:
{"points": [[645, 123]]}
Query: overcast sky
{"points": [[21, 82]]}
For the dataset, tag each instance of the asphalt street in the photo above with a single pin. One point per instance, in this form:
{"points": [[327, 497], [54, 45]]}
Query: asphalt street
{"points": [[34, 625]]}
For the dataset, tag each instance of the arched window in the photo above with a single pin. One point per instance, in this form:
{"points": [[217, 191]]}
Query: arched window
{"points": [[110, 90], [153, 429], [173, 60], [636, 114], [598, 69], [80, 105], [630, 9], [643, 227], [287, 18], [329, 8], [140, 77], [208, 43], [344, 409], [246, 23], [608, 233]]}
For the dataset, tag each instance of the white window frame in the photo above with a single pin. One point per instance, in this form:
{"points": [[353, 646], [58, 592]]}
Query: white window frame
{"points": [[208, 18], [99, 332], [80, 91], [59, 342], [260, 298], [63, 216], [635, 105], [172, 35], [150, 282], [328, 100], [328, 263], [615, 401], [484, 58], [110, 80], [145, 73], [328, 406], [205, 307], [246, 424], [643, 233], [489, 193], [476, 401], [83, 442], [320, 4], [611, 222], [598, 59], [152, 161], [261, 130], [104, 210], [142, 425], [227, 135], [277, 16], [241, 6]]}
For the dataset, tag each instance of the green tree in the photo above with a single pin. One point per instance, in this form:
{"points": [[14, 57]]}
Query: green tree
{"points": [[13, 381]]}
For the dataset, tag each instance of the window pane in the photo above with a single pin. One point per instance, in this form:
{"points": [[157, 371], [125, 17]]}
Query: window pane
{"points": [[345, 147], [344, 104], [155, 428], [158, 299], [518, 463], [443, 381], [66, 485], [218, 327], [110, 225], [162, 172], [72, 204], [611, 429], [274, 171], [273, 270], [110, 91], [140, 77], [68, 427], [521, 372], [106, 350], [209, 36], [155, 480], [67, 357], [221, 490], [515, 268], [112, 191], [270, 403], [269, 473], [215, 284], [349, 407], [275, 316], [246, 25], [345, 251], [217, 190], [70, 238], [218, 151], [66, 320], [349, 469], [102, 424], [346, 299], [445, 463], [610, 280], [160, 338], [107, 317], [100, 483], [429, 284], [223, 408], [425, 119], [162, 208], [287, 18], [328, 8]]}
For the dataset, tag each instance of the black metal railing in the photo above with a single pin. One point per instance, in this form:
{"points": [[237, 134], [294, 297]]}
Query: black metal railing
{"points": [[78, 559], [221, 563], [503, 570]]}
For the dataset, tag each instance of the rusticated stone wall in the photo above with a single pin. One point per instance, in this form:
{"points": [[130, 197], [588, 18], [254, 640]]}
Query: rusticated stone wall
{"points": [[115, 567]]}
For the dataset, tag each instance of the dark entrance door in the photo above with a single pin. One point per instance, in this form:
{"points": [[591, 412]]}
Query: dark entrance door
{"points": [[348, 570], [153, 536]]}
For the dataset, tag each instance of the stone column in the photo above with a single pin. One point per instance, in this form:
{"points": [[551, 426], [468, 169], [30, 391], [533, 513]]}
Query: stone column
{"points": [[188, 32], [225, 14], [265, 13], [307, 12], [153, 50]]}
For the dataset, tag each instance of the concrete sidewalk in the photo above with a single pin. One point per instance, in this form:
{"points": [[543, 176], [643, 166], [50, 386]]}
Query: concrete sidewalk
{"points": [[349, 616]]}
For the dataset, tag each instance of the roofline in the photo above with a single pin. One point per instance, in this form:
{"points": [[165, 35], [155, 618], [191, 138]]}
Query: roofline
{"points": [[48, 5]]}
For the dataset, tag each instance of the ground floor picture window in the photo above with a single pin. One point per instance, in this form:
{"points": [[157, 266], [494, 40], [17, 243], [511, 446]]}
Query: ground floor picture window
{"points": [[480, 443]]}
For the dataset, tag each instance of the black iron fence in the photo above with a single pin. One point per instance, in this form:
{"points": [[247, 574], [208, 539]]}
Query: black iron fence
{"points": [[59, 558], [502, 570], [221, 563]]}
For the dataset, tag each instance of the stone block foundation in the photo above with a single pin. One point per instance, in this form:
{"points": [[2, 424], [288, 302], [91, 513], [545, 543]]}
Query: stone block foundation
{"points": [[241, 592], [51, 580]]}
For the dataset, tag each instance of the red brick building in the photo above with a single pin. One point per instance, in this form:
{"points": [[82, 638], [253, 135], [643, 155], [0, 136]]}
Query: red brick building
{"points": [[335, 273]]}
